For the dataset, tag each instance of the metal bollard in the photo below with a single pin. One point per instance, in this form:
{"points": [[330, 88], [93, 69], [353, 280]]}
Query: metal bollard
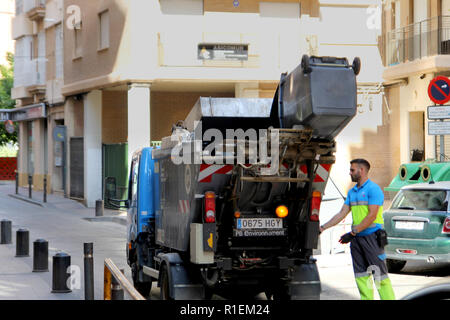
{"points": [[40, 255], [61, 261], [45, 189], [17, 182], [116, 288], [88, 271], [22, 243], [30, 182], [99, 207], [5, 226]]}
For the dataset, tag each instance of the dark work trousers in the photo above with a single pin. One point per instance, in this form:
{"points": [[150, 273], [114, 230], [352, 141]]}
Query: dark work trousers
{"points": [[369, 259]]}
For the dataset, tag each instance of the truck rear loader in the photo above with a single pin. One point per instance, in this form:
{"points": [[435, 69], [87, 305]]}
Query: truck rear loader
{"points": [[229, 203]]}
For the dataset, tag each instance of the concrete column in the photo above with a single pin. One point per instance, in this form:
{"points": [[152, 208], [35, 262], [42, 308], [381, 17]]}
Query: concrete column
{"points": [[22, 164], [92, 147], [138, 118], [69, 111], [39, 153]]}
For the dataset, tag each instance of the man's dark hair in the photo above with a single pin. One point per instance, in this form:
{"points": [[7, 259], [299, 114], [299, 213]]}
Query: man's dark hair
{"points": [[362, 162]]}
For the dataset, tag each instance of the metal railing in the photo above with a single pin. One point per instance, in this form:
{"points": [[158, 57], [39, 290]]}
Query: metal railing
{"points": [[114, 280], [29, 72], [415, 41]]}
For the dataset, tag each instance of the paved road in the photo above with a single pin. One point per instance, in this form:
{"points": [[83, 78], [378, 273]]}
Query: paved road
{"points": [[63, 223]]}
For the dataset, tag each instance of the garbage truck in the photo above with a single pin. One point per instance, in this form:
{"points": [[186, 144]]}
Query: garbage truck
{"points": [[229, 203]]}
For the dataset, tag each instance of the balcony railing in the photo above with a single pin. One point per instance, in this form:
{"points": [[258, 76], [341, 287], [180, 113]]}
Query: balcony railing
{"points": [[29, 73], [422, 39]]}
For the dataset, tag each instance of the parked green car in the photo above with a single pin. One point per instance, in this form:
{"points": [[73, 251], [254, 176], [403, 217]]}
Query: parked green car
{"points": [[418, 225]]}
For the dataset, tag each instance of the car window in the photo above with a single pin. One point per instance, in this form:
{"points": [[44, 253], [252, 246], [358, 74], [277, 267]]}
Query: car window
{"points": [[433, 200]]}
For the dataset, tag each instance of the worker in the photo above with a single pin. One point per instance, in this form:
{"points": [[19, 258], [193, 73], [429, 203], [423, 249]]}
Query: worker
{"points": [[367, 238]]}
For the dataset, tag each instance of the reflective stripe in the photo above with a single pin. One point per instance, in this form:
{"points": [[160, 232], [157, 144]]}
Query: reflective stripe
{"points": [[362, 274], [359, 203]]}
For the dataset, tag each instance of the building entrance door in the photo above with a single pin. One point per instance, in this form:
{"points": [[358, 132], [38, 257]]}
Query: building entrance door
{"points": [[115, 171], [76, 168]]}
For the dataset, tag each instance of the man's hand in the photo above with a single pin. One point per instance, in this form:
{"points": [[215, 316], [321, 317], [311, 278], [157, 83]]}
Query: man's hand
{"points": [[346, 238]]}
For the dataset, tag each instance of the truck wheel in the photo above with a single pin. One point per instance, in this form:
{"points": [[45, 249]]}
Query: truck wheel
{"points": [[395, 265], [281, 294], [142, 287], [165, 285]]}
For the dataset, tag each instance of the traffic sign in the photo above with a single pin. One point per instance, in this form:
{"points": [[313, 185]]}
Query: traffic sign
{"points": [[438, 112], [9, 126], [437, 128], [439, 90]]}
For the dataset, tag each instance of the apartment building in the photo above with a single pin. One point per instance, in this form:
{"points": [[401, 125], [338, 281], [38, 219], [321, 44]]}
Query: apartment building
{"points": [[6, 15], [415, 49], [97, 80]]}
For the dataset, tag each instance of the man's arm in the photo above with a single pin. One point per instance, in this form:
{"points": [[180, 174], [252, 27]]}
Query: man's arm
{"points": [[337, 218], [368, 220]]}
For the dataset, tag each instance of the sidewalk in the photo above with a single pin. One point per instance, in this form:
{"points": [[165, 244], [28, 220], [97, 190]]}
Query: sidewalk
{"points": [[58, 202], [66, 224]]}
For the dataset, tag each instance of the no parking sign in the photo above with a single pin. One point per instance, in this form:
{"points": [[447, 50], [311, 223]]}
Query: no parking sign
{"points": [[439, 90]]}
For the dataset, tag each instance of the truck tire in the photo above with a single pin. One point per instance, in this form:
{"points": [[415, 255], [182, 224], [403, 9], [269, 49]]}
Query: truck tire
{"points": [[165, 284], [279, 293], [395, 265], [142, 287]]}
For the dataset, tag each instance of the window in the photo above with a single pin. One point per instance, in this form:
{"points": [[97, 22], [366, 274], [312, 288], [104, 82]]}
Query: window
{"points": [[59, 51], [19, 7], [415, 199], [78, 41], [104, 30]]}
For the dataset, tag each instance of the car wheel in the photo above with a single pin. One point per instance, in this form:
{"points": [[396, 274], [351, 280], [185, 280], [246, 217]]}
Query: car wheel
{"points": [[395, 265]]}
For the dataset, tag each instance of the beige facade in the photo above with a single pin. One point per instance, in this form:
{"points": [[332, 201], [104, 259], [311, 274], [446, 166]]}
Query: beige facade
{"points": [[122, 61], [6, 15], [415, 49]]}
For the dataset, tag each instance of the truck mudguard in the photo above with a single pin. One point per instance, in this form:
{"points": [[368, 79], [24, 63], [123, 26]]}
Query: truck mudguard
{"points": [[183, 284]]}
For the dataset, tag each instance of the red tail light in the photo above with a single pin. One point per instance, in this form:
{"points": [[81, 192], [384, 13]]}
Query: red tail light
{"points": [[446, 228], [210, 207], [408, 251], [315, 206]]}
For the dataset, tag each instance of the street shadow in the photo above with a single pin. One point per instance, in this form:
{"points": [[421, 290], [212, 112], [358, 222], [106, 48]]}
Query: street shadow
{"points": [[418, 268]]}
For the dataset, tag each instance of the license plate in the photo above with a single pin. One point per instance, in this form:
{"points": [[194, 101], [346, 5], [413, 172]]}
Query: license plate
{"points": [[259, 223], [409, 225]]}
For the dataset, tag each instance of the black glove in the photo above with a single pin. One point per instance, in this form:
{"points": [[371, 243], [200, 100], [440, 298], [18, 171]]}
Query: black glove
{"points": [[346, 238]]}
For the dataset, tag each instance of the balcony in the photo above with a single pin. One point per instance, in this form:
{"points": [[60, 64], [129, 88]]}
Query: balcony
{"points": [[420, 47], [35, 9], [29, 78]]}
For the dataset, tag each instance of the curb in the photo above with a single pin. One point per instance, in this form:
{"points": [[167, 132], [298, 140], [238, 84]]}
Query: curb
{"points": [[122, 221], [23, 198]]}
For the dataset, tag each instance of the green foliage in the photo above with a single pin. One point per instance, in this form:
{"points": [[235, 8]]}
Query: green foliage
{"points": [[8, 150], [6, 84]]}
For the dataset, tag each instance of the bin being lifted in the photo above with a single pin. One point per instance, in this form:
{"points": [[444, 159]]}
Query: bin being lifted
{"points": [[230, 202]]}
